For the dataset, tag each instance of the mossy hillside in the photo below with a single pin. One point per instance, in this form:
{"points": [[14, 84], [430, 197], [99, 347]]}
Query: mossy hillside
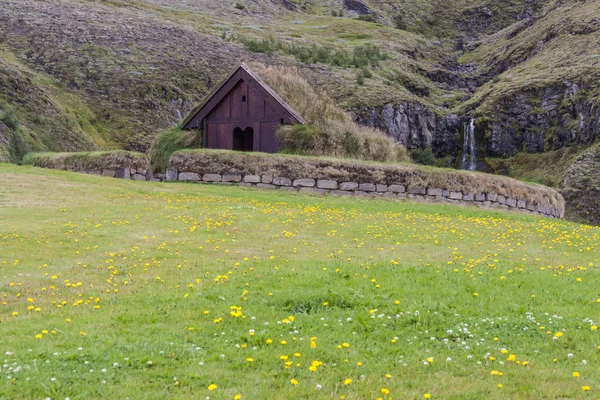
{"points": [[556, 49], [548, 168], [135, 71]]}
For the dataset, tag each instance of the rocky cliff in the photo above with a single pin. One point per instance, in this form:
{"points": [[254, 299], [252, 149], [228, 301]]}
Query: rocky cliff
{"points": [[581, 188]]}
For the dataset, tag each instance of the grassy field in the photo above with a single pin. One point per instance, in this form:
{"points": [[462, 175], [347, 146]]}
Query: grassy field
{"points": [[123, 289]]}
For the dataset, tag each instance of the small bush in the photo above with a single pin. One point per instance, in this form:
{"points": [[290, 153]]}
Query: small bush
{"points": [[17, 149], [361, 56], [9, 119], [399, 22], [168, 142], [366, 18], [240, 6], [423, 156]]}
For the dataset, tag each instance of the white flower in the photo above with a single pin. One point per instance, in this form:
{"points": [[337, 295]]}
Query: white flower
{"points": [[570, 355], [318, 387], [149, 362]]}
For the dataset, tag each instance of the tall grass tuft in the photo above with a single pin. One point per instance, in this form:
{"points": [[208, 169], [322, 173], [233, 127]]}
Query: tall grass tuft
{"points": [[17, 149], [330, 131], [168, 142]]}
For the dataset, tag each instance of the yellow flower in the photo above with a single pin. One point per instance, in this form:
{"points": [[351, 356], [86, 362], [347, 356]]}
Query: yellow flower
{"points": [[348, 381], [385, 391], [249, 359], [585, 388], [427, 395], [212, 387], [430, 359], [237, 397], [499, 386], [293, 382], [575, 374], [558, 334]]}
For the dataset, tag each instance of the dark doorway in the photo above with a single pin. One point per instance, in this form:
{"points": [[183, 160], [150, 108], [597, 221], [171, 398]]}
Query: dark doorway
{"points": [[243, 140]]}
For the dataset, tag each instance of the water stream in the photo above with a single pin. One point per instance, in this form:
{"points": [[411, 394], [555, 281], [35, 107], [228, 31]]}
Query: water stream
{"points": [[469, 157]]}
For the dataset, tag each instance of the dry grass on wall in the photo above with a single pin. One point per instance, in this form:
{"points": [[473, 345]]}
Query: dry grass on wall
{"points": [[87, 161], [330, 131], [297, 167]]}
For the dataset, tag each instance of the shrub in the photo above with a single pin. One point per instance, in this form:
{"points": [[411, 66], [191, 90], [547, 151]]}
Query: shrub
{"points": [[16, 147], [399, 22], [240, 6], [330, 131], [423, 156], [9, 119], [168, 142], [366, 18], [361, 56]]}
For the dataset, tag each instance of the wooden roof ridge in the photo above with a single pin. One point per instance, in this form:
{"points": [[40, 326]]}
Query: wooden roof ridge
{"points": [[215, 92]]}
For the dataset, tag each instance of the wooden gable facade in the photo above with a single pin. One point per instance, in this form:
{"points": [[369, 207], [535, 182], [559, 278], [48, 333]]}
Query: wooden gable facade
{"points": [[243, 113]]}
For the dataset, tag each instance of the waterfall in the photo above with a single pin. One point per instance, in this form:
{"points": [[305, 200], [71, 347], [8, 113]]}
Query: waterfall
{"points": [[469, 158]]}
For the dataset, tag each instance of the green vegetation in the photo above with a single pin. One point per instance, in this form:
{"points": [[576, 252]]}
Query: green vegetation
{"points": [[548, 168], [115, 289], [168, 142], [17, 149], [360, 57], [9, 118], [366, 18]]}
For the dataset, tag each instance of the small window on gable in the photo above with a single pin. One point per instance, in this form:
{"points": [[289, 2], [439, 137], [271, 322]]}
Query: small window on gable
{"points": [[243, 98]]}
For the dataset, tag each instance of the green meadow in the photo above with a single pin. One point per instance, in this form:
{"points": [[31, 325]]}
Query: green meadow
{"points": [[123, 289]]}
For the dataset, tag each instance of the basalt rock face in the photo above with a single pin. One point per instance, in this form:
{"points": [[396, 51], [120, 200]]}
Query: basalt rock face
{"points": [[538, 121], [581, 188], [415, 126]]}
